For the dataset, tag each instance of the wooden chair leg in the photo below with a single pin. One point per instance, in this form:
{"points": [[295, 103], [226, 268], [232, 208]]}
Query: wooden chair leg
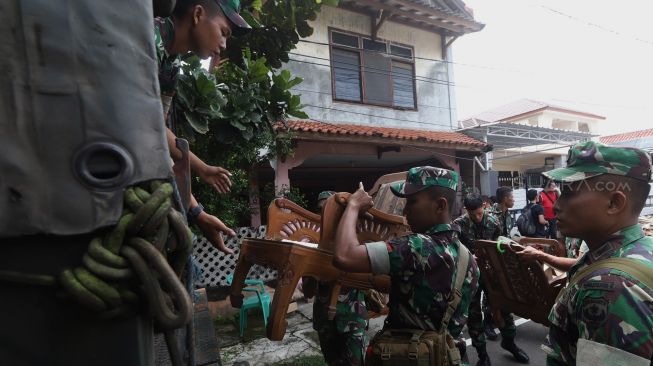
{"points": [[238, 282], [289, 277], [333, 300]]}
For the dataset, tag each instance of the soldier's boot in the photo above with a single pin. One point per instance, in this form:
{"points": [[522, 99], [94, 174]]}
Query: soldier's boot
{"points": [[483, 359], [490, 333], [519, 354]]}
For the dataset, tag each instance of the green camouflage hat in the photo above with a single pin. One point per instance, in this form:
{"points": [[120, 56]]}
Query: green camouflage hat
{"points": [[590, 159], [231, 8], [324, 195], [422, 177]]}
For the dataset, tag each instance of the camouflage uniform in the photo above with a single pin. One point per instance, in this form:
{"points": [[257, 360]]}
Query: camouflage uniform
{"points": [[169, 65], [504, 217], [575, 247], [343, 340], [606, 306], [421, 266], [488, 229]]}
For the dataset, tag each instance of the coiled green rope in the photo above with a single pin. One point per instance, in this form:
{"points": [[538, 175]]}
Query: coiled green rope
{"points": [[151, 242]]}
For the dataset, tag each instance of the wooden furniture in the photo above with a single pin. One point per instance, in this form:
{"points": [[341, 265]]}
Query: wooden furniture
{"points": [[287, 220], [384, 199], [385, 179], [550, 246], [521, 288], [294, 260]]}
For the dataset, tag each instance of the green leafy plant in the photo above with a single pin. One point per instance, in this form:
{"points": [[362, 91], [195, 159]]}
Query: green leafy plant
{"points": [[278, 26]]}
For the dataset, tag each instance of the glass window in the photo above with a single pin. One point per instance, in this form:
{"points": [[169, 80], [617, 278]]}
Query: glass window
{"points": [[344, 39], [371, 45], [401, 51], [346, 74], [377, 76], [403, 85]]}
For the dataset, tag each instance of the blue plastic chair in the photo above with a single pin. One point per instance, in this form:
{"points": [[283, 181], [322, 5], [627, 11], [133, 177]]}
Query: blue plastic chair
{"points": [[261, 299]]}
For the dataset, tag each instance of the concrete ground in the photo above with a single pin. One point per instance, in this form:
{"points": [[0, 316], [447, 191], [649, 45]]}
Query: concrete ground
{"points": [[301, 341]]}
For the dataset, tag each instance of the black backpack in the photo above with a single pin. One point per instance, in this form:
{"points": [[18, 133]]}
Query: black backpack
{"points": [[525, 222]]}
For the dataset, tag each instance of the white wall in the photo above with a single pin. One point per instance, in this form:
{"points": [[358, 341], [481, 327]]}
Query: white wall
{"points": [[432, 97]]}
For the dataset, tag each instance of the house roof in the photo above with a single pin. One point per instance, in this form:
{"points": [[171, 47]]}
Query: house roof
{"points": [[397, 134], [452, 17], [628, 136], [452, 7], [516, 110], [504, 135]]}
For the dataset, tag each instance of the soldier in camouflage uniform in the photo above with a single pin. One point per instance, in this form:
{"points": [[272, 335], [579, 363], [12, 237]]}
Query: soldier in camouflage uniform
{"points": [[201, 27], [421, 265], [603, 191], [343, 340], [478, 224], [505, 201]]}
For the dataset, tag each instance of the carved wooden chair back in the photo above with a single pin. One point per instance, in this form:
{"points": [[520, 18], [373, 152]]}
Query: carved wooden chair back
{"points": [[287, 220], [375, 226], [385, 179], [519, 287], [550, 246]]}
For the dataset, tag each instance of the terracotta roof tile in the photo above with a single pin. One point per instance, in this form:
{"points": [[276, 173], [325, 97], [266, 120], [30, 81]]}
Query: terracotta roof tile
{"points": [[628, 136], [386, 132]]}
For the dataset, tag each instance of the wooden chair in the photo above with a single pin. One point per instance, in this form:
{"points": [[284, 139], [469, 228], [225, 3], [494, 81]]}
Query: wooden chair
{"points": [[550, 246], [294, 260], [287, 220], [521, 288], [384, 199]]}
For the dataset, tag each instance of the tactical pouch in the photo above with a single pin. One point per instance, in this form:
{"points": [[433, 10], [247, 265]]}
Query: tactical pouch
{"points": [[410, 347]]}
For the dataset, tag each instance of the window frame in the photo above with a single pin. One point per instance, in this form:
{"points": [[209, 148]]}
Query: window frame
{"points": [[361, 74]]}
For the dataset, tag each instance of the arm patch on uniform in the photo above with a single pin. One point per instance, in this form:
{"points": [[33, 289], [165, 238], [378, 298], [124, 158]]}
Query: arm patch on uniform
{"points": [[379, 258], [594, 311]]}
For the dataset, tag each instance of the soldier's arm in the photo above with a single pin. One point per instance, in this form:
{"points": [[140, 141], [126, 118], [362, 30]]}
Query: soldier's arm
{"points": [[463, 236], [349, 255], [216, 177], [497, 230], [533, 253], [470, 286]]}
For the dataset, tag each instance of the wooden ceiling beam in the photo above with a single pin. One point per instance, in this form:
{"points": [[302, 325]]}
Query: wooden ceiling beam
{"points": [[476, 26], [411, 15], [378, 20]]}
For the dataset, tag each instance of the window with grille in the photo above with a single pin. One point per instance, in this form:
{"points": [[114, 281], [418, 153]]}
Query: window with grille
{"points": [[372, 71]]}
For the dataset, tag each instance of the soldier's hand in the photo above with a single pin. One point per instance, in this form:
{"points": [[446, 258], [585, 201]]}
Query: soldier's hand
{"points": [[360, 199], [213, 228], [529, 254], [217, 177]]}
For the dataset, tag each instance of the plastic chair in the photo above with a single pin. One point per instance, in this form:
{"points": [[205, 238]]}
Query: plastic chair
{"points": [[261, 299]]}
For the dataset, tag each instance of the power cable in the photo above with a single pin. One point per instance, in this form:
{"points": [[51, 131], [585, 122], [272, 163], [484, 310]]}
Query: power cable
{"points": [[329, 93], [366, 68], [595, 25], [419, 58]]}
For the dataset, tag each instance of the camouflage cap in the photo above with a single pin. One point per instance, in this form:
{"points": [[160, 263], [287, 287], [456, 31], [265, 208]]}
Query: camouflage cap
{"points": [[324, 195], [422, 177], [590, 159], [231, 9]]}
